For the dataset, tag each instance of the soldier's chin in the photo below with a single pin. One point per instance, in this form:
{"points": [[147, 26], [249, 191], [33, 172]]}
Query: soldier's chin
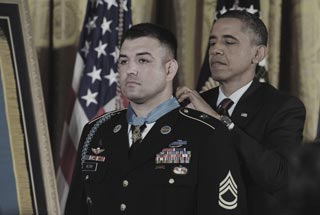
{"points": [[135, 99]]}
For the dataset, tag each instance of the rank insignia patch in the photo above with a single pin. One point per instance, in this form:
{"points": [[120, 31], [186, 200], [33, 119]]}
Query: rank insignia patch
{"points": [[228, 193]]}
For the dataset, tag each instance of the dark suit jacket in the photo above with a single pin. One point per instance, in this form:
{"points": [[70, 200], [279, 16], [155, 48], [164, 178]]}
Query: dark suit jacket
{"points": [[139, 185], [269, 127]]}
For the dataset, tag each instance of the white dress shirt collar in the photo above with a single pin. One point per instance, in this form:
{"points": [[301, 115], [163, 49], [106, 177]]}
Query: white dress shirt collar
{"points": [[235, 97]]}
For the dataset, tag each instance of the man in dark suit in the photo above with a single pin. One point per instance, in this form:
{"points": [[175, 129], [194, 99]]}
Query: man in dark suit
{"points": [[266, 124], [155, 157]]}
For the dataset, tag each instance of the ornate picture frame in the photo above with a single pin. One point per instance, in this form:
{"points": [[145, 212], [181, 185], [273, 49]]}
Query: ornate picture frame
{"points": [[27, 178]]}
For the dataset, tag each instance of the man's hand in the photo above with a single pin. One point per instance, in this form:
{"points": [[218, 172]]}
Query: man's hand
{"points": [[196, 101]]}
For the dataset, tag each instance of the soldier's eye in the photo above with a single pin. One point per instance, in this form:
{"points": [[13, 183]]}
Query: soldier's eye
{"points": [[122, 61]]}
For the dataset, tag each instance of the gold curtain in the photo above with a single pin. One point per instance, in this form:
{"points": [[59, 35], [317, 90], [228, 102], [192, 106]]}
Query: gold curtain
{"points": [[271, 16], [293, 59], [56, 43], [305, 59]]}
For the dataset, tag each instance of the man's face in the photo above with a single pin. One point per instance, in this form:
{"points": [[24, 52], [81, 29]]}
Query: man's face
{"points": [[143, 70], [231, 51]]}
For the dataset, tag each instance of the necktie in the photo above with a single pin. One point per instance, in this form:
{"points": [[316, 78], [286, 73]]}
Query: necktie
{"points": [[224, 106], [136, 137]]}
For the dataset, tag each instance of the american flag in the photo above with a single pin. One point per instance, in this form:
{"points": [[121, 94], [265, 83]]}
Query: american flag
{"points": [[95, 85], [251, 6]]}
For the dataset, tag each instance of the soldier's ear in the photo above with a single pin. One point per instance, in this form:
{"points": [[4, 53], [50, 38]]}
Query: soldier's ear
{"points": [[172, 68], [260, 54]]}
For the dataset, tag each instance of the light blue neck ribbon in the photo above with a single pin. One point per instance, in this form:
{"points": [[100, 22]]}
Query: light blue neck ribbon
{"points": [[154, 115]]}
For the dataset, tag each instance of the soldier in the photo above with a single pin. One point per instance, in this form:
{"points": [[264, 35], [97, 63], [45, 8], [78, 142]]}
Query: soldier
{"points": [[155, 157]]}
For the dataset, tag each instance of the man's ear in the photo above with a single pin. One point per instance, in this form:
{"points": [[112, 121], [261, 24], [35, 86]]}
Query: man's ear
{"points": [[172, 68], [260, 54]]}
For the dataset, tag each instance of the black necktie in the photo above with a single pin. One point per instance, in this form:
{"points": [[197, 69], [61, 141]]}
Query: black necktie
{"points": [[224, 106], [136, 137]]}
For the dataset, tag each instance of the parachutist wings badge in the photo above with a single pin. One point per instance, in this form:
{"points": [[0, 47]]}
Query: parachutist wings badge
{"points": [[97, 151]]}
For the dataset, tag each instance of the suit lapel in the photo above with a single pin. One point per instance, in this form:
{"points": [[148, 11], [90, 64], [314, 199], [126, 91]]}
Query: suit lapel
{"points": [[248, 105], [155, 140]]}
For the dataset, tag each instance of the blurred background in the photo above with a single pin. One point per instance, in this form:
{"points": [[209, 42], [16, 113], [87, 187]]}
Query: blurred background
{"points": [[293, 63]]}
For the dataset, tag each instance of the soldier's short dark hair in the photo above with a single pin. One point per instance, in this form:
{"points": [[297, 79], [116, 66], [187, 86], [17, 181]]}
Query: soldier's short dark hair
{"points": [[252, 22], [160, 33]]}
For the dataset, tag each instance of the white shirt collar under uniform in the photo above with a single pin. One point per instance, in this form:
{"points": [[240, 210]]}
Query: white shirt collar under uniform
{"points": [[235, 97]]}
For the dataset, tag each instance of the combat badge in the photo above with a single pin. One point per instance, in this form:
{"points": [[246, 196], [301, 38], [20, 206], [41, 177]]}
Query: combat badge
{"points": [[177, 144]]}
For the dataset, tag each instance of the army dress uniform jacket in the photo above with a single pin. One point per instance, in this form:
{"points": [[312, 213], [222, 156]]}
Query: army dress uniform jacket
{"points": [[268, 127], [186, 165]]}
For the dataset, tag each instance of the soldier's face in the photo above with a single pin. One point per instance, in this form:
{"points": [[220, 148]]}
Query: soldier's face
{"points": [[143, 70]]}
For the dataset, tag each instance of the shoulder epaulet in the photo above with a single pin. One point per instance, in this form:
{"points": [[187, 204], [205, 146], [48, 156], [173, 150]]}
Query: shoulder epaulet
{"points": [[107, 115], [198, 116]]}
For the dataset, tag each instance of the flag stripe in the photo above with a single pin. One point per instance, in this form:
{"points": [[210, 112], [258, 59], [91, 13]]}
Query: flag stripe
{"points": [[72, 99], [68, 160], [78, 120]]}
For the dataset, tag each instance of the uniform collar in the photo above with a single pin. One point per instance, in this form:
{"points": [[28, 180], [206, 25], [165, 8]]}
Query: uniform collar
{"points": [[154, 115]]}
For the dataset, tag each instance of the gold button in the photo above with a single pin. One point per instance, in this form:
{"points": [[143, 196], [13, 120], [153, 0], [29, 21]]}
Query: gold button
{"points": [[89, 200], [125, 183], [123, 207]]}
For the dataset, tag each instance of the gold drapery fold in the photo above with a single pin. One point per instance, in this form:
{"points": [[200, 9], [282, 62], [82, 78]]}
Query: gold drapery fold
{"points": [[143, 11], [271, 16], [206, 20], [185, 17], [305, 60]]}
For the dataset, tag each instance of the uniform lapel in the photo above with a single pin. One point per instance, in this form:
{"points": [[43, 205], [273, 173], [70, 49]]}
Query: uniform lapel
{"points": [[248, 105], [117, 140], [157, 139]]}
